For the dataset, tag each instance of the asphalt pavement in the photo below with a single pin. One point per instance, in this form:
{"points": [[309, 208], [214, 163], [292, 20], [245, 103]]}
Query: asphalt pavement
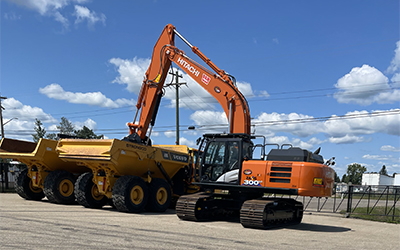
{"points": [[42, 225]]}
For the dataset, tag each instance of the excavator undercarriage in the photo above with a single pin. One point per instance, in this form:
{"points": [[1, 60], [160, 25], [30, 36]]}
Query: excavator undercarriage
{"points": [[260, 213]]}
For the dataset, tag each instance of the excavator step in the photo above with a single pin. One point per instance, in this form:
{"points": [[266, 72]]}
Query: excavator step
{"points": [[270, 213]]}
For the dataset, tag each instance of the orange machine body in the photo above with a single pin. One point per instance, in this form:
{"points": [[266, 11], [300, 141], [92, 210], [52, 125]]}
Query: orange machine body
{"points": [[308, 178]]}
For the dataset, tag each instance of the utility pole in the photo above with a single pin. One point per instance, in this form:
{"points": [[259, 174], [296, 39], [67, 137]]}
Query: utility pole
{"points": [[1, 116], [176, 84]]}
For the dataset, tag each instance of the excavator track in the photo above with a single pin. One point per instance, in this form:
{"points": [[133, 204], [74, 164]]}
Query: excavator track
{"points": [[191, 207], [270, 213]]}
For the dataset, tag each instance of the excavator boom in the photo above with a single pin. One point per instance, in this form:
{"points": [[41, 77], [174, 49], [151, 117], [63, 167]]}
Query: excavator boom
{"points": [[218, 83]]}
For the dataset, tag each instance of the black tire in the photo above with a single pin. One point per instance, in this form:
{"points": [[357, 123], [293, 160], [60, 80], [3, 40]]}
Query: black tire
{"points": [[59, 187], [159, 195], [86, 192], [25, 189], [130, 194]]}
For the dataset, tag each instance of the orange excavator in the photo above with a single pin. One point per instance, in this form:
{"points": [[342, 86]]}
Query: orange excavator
{"points": [[234, 181]]}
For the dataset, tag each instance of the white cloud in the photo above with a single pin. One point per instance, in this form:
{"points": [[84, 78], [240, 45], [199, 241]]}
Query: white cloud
{"points": [[365, 85], [364, 125], [390, 148], [295, 142], [377, 157], [169, 134], [347, 139], [336, 129], [395, 63], [264, 93], [271, 123], [210, 121], [245, 88], [14, 108], [54, 8], [189, 143], [84, 14], [383, 159], [60, 18], [55, 91], [191, 95], [42, 6], [12, 16], [22, 127], [89, 123], [131, 72]]}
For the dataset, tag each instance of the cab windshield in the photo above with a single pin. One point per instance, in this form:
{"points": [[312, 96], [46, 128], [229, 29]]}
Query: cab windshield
{"points": [[221, 157]]}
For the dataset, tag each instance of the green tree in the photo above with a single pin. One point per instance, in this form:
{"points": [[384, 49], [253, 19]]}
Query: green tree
{"points": [[337, 179], [65, 127], [51, 136], [345, 178], [383, 171], [354, 173], [86, 133], [40, 131]]}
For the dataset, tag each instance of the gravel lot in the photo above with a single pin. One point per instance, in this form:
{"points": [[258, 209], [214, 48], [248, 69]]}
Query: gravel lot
{"points": [[43, 225]]}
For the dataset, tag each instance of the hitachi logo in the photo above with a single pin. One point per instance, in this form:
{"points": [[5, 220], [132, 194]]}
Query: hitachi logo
{"points": [[188, 67]]}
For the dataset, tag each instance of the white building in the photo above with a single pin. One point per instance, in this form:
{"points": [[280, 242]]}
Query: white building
{"points": [[378, 179], [396, 180]]}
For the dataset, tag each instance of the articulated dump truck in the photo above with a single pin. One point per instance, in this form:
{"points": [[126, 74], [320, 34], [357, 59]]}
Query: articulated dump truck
{"points": [[46, 174], [130, 176]]}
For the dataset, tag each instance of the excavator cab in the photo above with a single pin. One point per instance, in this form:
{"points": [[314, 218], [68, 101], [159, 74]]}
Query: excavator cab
{"points": [[223, 156]]}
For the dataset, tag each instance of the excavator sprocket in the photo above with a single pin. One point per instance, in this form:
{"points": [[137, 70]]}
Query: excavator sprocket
{"points": [[270, 213]]}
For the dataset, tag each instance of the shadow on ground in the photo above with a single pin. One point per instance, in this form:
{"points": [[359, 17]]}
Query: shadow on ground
{"points": [[318, 228]]}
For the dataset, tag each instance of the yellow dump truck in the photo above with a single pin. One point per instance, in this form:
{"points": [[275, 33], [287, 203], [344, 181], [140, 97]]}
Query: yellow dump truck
{"points": [[46, 174], [134, 176]]}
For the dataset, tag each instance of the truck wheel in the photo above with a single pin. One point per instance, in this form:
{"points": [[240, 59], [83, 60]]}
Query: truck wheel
{"points": [[86, 192], [159, 195], [25, 189], [130, 194], [59, 187]]}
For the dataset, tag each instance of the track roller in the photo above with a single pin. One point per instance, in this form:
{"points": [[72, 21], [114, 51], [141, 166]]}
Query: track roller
{"points": [[195, 207], [270, 213]]}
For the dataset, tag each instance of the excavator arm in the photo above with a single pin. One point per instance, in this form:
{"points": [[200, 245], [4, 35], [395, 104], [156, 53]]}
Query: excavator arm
{"points": [[218, 83]]}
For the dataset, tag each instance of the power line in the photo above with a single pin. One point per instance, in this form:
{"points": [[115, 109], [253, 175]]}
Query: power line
{"points": [[256, 124], [112, 111]]}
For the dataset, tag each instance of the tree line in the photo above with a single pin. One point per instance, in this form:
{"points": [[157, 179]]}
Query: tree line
{"points": [[65, 128]]}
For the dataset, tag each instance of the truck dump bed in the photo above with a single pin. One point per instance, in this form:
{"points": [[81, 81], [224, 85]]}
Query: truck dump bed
{"points": [[122, 157], [42, 154]]}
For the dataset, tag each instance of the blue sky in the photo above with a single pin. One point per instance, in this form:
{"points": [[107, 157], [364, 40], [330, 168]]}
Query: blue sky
{"points": [[315, 73]]}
